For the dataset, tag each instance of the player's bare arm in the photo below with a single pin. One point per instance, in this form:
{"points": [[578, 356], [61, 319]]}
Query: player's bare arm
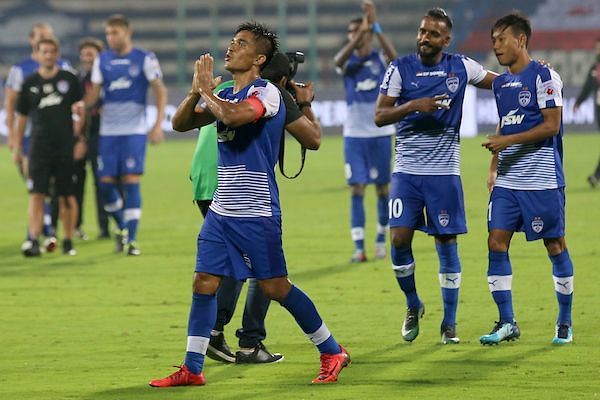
{"points": [[188, 115], [92, 96], [345, 52], [18, 134], [232, 115], [550, 127], [486, 83], [492, 173], [156, 134], [386, 45], [10, 99], [386, 112], [306, 129]]}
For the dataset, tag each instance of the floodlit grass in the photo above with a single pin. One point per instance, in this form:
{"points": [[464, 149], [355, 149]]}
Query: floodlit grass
{"points": [[101, 325]]}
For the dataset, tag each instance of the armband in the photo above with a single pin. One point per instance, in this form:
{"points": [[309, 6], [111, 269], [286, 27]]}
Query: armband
{"points": [[377, 28]]}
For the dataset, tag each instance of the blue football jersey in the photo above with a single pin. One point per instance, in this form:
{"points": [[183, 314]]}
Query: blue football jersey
{"points": [[520, 99], [124, 81], [248, 154], [362, 77], [429, 144]]}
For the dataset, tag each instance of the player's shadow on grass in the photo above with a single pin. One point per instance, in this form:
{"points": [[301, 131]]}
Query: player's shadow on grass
{"points": [[221, 378], [471, 366], [19, 265]]}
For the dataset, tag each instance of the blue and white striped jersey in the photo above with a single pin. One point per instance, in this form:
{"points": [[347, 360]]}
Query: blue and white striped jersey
{"points": [[362, 77], [247, 156], [429, 144], [520, 99], [124, 81]]}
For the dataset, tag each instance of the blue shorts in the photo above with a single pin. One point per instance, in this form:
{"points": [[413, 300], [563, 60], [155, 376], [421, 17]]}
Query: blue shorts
{"points": [[538, 213], [121, 155], [430, 203], [241, 248], [368, 160]]}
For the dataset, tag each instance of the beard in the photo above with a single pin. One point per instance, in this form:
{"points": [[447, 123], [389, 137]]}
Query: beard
{"points": [[429, 51]]}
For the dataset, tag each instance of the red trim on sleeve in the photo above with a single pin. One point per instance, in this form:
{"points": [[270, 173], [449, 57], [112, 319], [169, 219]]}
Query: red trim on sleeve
{"points": [[258, 106]]}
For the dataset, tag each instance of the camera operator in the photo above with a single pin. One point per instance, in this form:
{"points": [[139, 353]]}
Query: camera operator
{"points": [[299, 118]]}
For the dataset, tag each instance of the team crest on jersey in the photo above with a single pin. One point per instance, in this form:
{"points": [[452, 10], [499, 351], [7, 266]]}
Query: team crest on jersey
{"points": [[524, 97], [444, 218], [537, 224], [134, 70], [452, 83], [130, 162], [63, 86]]}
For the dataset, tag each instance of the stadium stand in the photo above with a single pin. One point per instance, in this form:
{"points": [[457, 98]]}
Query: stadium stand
{"points": [[157, 26]]}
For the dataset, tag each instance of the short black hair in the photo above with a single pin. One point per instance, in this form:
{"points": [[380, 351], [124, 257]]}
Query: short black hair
{"points": [[441, 15], [267, 42], [91, 42], [515, 21], [357, 20], [277, 68]]}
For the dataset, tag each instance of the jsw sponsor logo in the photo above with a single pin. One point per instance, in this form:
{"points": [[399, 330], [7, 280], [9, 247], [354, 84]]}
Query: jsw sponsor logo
{"points": [[366, 85], [119, 84], [511, 118], [52, 99]]}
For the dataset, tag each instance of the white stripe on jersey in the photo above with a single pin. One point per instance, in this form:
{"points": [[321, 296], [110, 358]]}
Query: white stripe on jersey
{"points": [[428, 153], [549, 90], [359, 122], [242, 193], [123, 118], [392, 81], [527, 167], [475, 71]]}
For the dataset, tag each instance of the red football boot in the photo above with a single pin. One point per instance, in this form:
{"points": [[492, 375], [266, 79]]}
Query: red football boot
{"points": [[183, 377], [331, 366]]}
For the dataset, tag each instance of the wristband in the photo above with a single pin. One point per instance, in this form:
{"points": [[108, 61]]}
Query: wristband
{"points": [[377, 28], [303, 104]]}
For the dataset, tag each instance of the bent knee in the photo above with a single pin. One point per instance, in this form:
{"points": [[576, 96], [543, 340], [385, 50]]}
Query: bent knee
{"points": [[276, 289], [205, 283]]}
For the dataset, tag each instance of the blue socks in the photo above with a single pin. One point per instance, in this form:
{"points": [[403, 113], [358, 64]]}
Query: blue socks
{"points": [[133, 210], [450, 278], [304, 311], [203, 314], [357, 222], [562, 271], [404, 267], [113, 203], [382, 217], [500, 283]]}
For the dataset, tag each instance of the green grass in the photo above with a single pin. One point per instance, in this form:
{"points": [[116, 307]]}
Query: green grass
{"points": [[100, 325]]}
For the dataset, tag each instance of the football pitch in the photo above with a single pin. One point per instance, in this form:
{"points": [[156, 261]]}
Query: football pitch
{"points": [[101, 325]]}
